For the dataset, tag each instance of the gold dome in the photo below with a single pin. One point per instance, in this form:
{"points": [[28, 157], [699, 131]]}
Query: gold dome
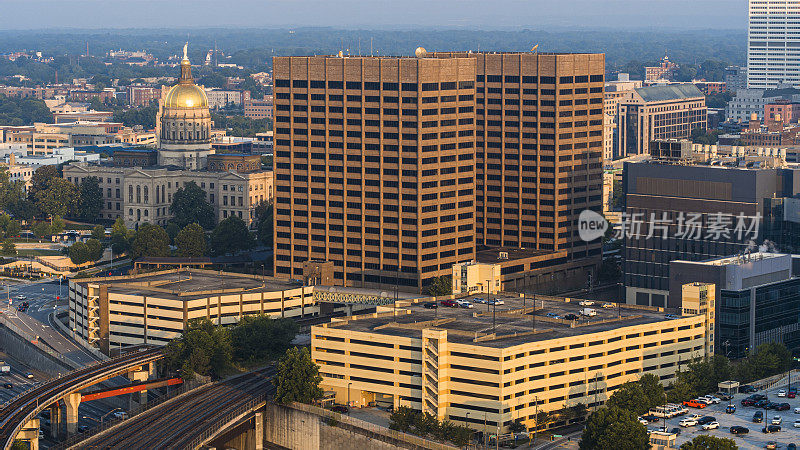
{"points": [[186, 96]]}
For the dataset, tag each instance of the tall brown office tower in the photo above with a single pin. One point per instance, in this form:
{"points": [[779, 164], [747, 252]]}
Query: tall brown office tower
{"points": [[536, 123], [374, 167], [539, 161]]}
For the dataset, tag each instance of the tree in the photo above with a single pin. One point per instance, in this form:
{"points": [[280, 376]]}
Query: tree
{"points": [[9, 248], [150, 240], [258, 338], [95, 249], [615, 428], [516, 427], [99, 232], [298, 378], [265, 223], [441, 286], [189, 205], [91, 199], [79, 253], [119, 237], [172, 231], [191, 241], [402, 419], [41, 229], [652, 390], [203, 349], [41, 178], [229, 236], [19, 444], [59, 198], [56, 225], [706, 442], [680, 391]]}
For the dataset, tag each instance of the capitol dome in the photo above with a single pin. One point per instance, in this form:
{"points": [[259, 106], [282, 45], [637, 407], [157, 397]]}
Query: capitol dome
{"points": [[186, 96]]}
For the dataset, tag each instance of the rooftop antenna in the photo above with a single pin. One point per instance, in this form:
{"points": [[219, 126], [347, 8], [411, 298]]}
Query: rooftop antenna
{"points": [[535, 49]]}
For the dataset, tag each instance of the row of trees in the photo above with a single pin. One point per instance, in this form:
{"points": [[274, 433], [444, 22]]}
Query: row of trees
{"points": [[213, 350], [50, 195], [410, 420], [23, 111]]}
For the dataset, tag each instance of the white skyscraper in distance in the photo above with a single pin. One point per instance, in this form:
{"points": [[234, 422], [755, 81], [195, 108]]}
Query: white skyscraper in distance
{"points": [[773, 43]]}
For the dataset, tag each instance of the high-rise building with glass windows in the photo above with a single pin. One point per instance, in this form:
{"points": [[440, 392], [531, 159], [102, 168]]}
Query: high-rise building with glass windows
{"points": [[773, 44]]}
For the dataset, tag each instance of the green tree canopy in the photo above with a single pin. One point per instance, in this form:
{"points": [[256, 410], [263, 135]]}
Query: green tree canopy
{"points": [[264, 215], [229, 236], [298, 378], [614, 428], [203, 349], [191, 241], [119, 237], [441, 286], [79, 253], [16, 111], [189, 205], [59, 198], [709, 443], [9, 248], [99, 232], [41, 229], [91, 199], [258, 338], [150, 240]]}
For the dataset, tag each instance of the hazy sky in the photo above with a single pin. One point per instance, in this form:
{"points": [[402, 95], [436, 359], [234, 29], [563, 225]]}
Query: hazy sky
{"points": [[486, 14]]}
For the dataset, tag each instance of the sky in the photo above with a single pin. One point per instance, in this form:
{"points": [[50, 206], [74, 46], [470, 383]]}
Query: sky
{"points": [[375, 14]]}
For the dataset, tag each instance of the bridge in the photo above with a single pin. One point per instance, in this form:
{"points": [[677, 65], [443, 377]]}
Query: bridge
{"points": [[17, 416], [189, 420]]}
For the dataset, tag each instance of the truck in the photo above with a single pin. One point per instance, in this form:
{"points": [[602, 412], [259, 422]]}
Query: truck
{"points": [[588, 312], [5, 369]]}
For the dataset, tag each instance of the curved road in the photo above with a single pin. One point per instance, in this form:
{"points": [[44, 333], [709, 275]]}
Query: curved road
{"points": [[18, 411], [179, 422]]}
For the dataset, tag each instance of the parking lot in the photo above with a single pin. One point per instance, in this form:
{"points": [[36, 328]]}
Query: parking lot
{"points": [[744, 417]]}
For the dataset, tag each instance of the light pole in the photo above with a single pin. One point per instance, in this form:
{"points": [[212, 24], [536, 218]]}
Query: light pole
{"points": [[348, 397], [536, 420], [488, 287], [103, 417]]}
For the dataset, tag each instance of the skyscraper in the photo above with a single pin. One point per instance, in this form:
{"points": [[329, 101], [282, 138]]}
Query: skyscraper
{"points": [[492, 151], [773, 47]]}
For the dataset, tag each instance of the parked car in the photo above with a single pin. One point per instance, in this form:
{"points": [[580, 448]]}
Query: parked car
{"points": [[730, 409], [586, 303], [706, 420], [748, 402], [589, 312], [430, 305], [553, 315], [28, 375], [694, 404], [783, 407], [711, 426], [781, 392], [340, 409], [771, 445], [465, 304], [791, 394], [449, 303], [121, 415], [724, 396], [642, 421], [8, 385], [611, 305], [746, 389], [480, 300], [797, 423], [777, 420], [687, 422], [771, 429], [571, 317], [711, 398], [496, 302], [797, 410], [758, 417], [651, 418], [736, 429]]}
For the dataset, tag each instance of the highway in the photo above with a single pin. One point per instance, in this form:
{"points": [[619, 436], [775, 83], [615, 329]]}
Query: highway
{"points": [[179, 422], [37, 319], [15, 413]]}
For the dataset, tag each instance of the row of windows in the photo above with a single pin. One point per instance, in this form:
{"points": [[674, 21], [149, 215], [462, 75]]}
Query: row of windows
{"points": [[374, 85]]}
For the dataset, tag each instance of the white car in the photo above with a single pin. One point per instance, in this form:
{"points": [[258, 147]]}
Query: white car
{"points": [[694, 416], [609, 305], [642, 421], [586, 303], [120, 415], [797, 423], [705, 400], [782, 393], [688, 422], [797, 410], [464, 304], [777, 420], [712, 399], [711, 425]]}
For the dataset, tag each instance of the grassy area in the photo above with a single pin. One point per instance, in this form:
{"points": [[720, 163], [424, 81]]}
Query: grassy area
{"points": [[37, 252]]}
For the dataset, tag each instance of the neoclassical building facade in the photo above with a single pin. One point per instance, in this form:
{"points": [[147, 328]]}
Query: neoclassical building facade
{"points": [[138, 186]]}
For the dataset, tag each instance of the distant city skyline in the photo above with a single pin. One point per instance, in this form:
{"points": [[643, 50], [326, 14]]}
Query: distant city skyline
{"points": [[503, 14]]}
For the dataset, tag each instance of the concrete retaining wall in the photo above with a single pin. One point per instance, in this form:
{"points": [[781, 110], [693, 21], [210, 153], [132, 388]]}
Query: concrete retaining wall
{"points": [[22, 350]]}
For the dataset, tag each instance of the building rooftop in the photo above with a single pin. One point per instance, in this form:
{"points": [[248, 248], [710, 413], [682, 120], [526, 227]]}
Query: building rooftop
{"points": [[742, 259], [514, 324], [190, 284], [499, 254], [669, 92]]}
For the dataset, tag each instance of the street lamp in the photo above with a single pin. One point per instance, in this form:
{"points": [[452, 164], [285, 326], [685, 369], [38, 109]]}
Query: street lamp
{"points": [[348, 397], [103, 417]]}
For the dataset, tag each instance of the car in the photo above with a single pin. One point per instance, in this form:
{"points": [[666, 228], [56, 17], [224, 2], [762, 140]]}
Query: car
{"points": [[748, 402], [711, 426], [712, 399], [695, 416], [736, 429], [611, 305], [703, 400], [571, 317], [82, 428], [777, 420], [746, 389], [783, 407], [771, 429], [642, 421], [28, 375], [671, 316], [121, 415], [675, 431], [496, 302], [480, 300], [724, 396], [706, 420], [687, 422], [797, 410], [430, 305], [651, 418], [772, 405], [781, 392], [449, 303], [771, 445], [20, 297], [340, 409], [759, 397], [758, 417], [465, 304], [793, 389], [730, 409], [797, 423], [553, 315], [694, 404], [761, 404], [8, 385], [791, 394], [586, 303]]}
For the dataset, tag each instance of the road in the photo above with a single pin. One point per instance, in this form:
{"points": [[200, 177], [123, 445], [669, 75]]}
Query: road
{"points": [[178, 422], [37, 319]]}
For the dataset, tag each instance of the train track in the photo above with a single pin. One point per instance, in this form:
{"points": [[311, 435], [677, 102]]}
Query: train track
{"points": [[15, 413], [177, 423]]}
